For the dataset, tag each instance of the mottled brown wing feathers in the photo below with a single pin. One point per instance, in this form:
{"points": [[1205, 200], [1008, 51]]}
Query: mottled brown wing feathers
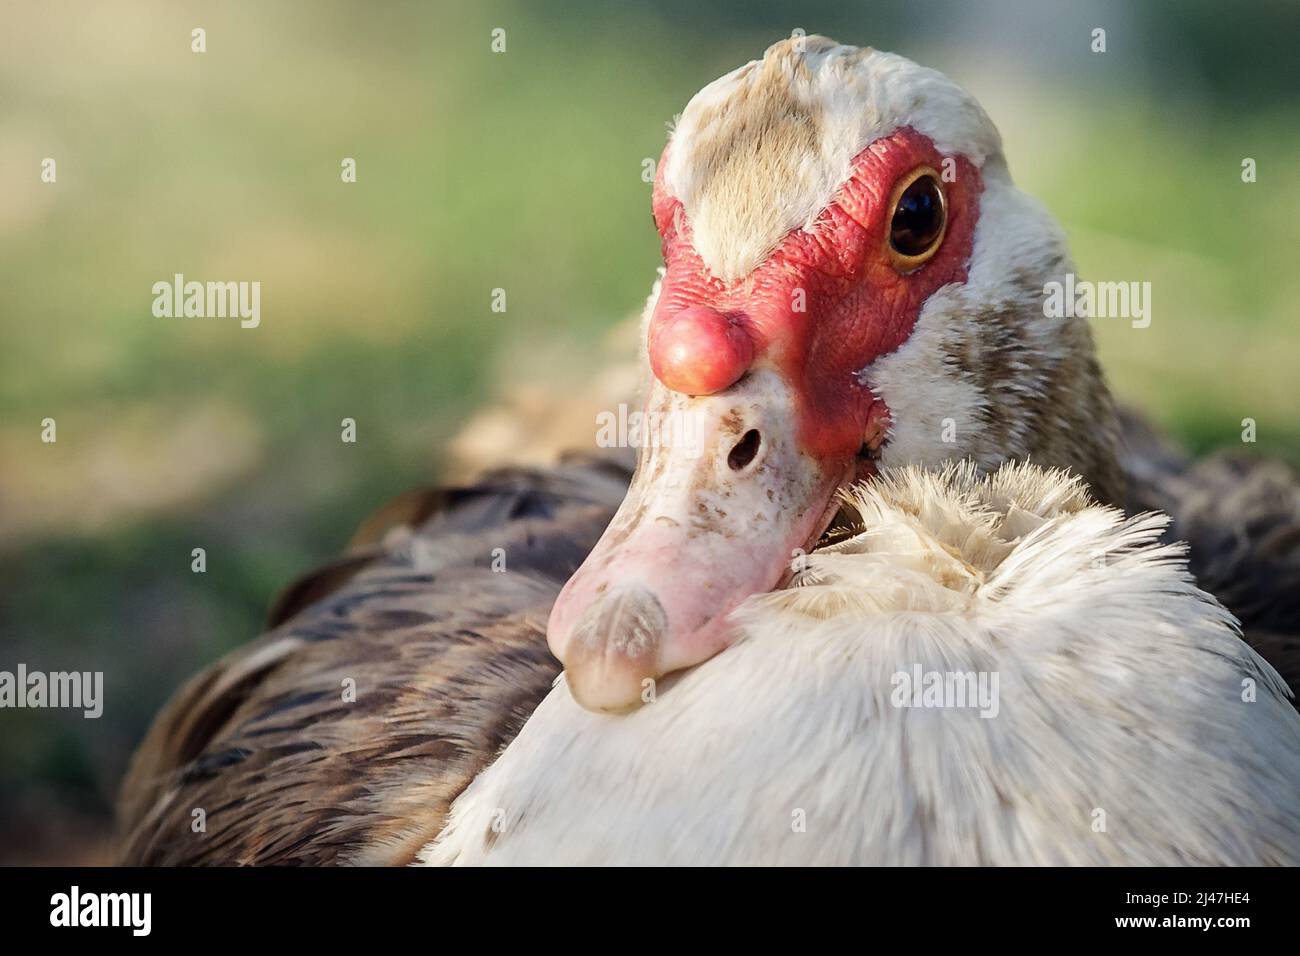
{"points": [[447, 656]]}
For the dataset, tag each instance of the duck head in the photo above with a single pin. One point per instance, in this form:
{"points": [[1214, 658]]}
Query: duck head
{"points": [[851, 283]]}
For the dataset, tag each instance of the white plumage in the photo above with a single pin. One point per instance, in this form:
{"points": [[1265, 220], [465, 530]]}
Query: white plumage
{"points": [[1132, 723]]}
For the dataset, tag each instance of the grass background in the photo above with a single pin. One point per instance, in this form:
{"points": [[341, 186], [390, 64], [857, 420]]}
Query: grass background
{"points": [[478, 171]]}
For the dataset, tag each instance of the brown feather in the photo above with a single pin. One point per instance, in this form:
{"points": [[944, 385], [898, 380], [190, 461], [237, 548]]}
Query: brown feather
{"points": [[448, 657]]}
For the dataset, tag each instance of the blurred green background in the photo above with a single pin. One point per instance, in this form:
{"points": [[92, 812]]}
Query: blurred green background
{"points": [[477, 171]]}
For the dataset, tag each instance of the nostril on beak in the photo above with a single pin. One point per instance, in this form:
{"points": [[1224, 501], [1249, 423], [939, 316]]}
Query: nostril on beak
{"points": [[740, 456]]}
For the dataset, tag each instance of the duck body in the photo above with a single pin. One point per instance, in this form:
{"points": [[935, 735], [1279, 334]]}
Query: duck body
{"points": [[1107, 710], [1093, 681]]}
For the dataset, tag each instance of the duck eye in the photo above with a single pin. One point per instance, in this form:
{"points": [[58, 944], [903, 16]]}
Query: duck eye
{"points": [[919, 219]]}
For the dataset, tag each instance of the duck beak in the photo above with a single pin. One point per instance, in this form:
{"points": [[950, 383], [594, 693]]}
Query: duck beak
{"points": [[723, 502]]}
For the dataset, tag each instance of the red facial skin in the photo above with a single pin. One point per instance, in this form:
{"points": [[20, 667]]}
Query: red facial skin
{"points": [[857, 306]]}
